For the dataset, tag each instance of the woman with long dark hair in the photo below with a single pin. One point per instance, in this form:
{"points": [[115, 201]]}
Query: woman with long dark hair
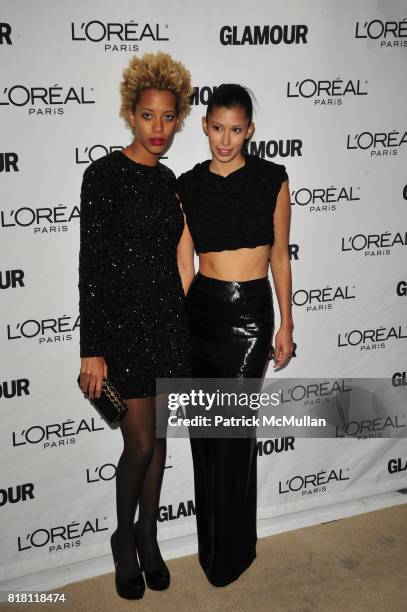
{"points": [[237, 209], [133, 323]]}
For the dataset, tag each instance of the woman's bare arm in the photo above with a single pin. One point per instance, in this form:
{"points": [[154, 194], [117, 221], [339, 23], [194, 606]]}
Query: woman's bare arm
{"points": [[281, 272], [185, 258]]}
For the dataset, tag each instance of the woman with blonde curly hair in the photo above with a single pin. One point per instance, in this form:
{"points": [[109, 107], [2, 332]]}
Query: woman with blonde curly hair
{"points": [[133, 323]]}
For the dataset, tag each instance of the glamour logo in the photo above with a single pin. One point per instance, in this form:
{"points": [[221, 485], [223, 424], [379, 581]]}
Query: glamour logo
{"points": [[5, 34], [48, 100], [86, 155], [43, 221], [278, 445], [55, 435], [10, 279], [324, 199], [388, 33], [171, 512], [311, 484], [46, 331], [263, 35], [368, 428], [313, 391], [373, 245], [14, 388], [397, 465], [272, 148], [17, 493], [201, 95], [372, 339], [325, 93], [322, 298], [118, 36], [379, 144], [399, 379], [8, 162], [401, 289], [60, 537]]}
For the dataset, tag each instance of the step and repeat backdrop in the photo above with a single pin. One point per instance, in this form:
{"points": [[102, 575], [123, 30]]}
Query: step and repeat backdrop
{"points": [[329, 84]]}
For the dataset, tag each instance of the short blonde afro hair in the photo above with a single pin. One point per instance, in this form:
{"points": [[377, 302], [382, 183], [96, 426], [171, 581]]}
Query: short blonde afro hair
{"points": [[155, 71]]}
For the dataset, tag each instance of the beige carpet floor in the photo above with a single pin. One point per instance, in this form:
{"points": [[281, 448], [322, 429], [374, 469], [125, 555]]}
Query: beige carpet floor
{"points": [[356, 564]]}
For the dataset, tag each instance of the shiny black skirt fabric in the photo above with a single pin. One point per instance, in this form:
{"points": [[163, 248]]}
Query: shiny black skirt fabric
{"points": [[232, 324]]}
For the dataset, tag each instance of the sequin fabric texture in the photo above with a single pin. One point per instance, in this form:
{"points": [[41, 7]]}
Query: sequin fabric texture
{"points": [[131, 301]]}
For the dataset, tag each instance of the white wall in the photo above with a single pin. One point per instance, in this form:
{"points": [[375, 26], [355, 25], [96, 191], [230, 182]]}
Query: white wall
{"points": [[52, 440]]}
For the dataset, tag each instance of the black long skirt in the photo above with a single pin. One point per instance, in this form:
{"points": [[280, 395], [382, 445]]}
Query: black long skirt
{"points": [[232, 324]]}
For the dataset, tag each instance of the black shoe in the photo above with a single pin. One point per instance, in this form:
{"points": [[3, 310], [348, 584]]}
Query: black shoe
{"points": [[128, 588], [158, 579]]}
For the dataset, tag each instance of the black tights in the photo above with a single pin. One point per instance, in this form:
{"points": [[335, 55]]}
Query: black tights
{"points": [[139, 478]]}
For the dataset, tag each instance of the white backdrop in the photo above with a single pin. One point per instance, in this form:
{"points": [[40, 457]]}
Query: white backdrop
{"points": [[330, 106]]}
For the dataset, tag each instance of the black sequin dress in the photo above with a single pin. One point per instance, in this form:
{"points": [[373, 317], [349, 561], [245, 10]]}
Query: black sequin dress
{"points": [[131, 301]]}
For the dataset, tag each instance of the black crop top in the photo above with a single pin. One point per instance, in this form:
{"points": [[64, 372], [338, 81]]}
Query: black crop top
{"points": [[232, 212]]}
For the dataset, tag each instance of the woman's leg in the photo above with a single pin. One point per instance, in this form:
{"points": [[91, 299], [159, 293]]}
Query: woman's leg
{"points": [[138, 429], [150, 493]]}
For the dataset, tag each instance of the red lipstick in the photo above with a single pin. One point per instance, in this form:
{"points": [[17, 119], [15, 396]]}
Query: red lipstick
{"points": [[157, 142]]}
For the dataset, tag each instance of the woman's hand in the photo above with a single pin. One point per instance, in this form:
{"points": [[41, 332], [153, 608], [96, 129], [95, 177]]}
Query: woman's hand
{"points": [[93, 371], [284, 347]]}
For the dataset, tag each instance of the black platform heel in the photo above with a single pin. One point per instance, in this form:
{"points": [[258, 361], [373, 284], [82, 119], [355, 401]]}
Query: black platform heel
{"points": [[128, 588], [158, 579]]}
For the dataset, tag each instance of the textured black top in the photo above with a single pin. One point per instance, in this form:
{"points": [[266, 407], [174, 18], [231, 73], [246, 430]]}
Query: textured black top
{"points": [[130, 292], [232, 212]]}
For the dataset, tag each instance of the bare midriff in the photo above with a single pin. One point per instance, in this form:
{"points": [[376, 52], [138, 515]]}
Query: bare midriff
{"points": [[237, 265]]}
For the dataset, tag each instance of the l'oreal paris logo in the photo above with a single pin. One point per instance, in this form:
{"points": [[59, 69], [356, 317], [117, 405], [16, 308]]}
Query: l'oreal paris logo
{"points": [[379, 144], [387, 33], [45, 100], [116, 36], [374, 245], [326, 92]]}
